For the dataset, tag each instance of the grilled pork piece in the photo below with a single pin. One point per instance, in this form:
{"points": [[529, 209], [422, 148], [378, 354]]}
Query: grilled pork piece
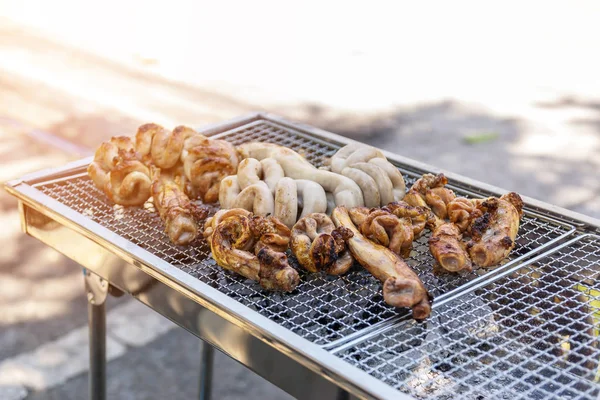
{"points": [[418, 215], [493, 233], [447, 248], [384, 228], [253, 247], [401, 286], [463, 211], [320, 246], [174, 207]]}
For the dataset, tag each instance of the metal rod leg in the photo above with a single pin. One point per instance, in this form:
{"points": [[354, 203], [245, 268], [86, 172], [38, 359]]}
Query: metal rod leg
{"points": [[97, 290], [97, 328], [342, 395], [206, 371]]}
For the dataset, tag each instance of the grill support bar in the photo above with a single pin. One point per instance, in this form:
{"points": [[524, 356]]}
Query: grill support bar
{"points": [[97, 291]]}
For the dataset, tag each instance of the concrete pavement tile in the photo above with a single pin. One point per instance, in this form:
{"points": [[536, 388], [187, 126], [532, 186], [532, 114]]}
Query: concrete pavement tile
{"points": [[54, 362], [134, 324], [12, 392], [168, 369]]}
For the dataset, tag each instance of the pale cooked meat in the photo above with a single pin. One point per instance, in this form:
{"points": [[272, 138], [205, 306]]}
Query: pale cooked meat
{"points": [[401, 286], [493, 233]]}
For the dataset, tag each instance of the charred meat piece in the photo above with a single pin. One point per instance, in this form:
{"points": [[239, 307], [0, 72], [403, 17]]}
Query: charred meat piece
{"points": [[319, 246], [462, 212], [447, 248], [493, 233], [429, 181], [437, 199], [418, 215], [401, 286], [429, 191], [175, 208], [252, 247], [384, 228]]}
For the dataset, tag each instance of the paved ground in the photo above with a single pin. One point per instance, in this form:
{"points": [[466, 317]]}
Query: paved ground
{"points": [[422, 90]]}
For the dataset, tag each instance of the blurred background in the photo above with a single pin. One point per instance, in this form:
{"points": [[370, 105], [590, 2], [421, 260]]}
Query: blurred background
{"points": [[506, 93]]}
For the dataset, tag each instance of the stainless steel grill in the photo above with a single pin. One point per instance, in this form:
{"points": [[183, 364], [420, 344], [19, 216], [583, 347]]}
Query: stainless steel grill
{"points": [[526, 328], [533, 333], [323, 309]]}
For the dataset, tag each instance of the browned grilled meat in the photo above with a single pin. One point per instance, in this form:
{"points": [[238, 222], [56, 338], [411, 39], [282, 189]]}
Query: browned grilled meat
{"points": [[384, 228], [447, 248], [319, 246], [401, 286], [493, 233], [252, 247], [418, 215]]}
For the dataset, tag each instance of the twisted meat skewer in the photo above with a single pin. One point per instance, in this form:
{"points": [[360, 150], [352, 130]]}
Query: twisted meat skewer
{"points": [[401, 286], [160, 146], [438, 199], [429, 191], [384, 228], [174, 208], [212, 222], [493, 234], [252, 247], [119, 173], [206, 162], [320, 246]]}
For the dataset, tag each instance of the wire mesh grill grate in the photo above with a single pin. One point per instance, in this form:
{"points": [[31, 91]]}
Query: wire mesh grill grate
{"points": [[322, 309], [533, 334]]}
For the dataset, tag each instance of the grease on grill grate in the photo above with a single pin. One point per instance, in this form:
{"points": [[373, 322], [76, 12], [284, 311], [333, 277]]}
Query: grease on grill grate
{"points": [[322, 309], [533, 334]]}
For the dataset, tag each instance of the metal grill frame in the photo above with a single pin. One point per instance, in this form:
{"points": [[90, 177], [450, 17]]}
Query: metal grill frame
{"points": [[313, 357], [473, 355]]}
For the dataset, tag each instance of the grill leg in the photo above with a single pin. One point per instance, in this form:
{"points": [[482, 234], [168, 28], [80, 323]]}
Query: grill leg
{"points": [[206, 371], [342, 395], [97, 290]]}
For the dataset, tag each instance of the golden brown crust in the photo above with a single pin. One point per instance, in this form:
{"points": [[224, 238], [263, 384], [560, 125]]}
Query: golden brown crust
{"points": [[253, 247], [384, 228], [418, 215], [206, 163], [447, 248], [401, 286], [493, 234], [437, 199], [462, 212], [174, 208], [319, 246], [119, 173]]}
